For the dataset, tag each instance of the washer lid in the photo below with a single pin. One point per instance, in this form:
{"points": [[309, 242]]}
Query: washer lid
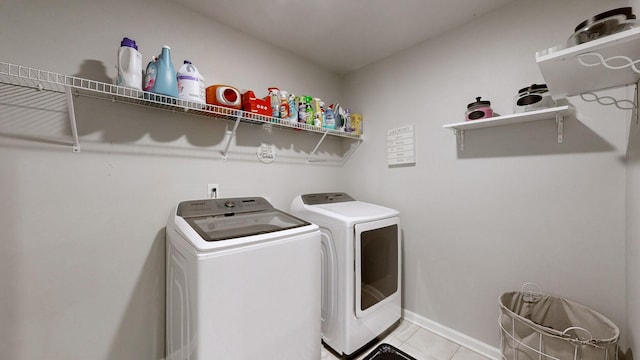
{"points": [[221, 219]]}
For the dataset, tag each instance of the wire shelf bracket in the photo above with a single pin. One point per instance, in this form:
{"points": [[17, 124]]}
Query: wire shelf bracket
{"points": [[609, 63], [232, 135], [72, 119], [620, 62], [608, 101], [316, 148], [560, 124], [459, 138], [635, 108]]}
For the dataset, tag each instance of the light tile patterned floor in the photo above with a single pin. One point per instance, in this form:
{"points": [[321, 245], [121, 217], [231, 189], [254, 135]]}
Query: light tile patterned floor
{"points": [[421, 344]]}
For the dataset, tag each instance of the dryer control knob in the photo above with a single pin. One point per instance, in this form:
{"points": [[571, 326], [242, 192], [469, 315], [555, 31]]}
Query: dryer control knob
{"points": [[229, 204]]}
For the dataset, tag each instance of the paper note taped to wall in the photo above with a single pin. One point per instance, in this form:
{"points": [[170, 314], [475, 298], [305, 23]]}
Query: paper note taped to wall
{"points": [[401, 146]]}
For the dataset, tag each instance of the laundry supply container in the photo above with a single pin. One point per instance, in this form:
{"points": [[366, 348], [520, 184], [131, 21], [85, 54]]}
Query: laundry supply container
{"points": [[535, 326]]}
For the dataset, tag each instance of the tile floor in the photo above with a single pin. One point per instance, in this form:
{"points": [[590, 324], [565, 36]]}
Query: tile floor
{"points": [[421, 344]]}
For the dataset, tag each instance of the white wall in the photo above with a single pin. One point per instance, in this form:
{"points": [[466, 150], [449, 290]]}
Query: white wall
{"points": [[633, 233], [82, 250], [513, 207], [82, 241], [633, 239]]}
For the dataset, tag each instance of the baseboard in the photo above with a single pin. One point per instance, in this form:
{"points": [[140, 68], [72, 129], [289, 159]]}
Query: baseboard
{"points": [[453, 335]]}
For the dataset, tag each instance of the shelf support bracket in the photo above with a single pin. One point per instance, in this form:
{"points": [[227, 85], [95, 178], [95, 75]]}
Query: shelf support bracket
{"points": [[231, 136], [560, 123], [636, 102], [317, 146], [72, 119], [351, 151], [459, 138]]}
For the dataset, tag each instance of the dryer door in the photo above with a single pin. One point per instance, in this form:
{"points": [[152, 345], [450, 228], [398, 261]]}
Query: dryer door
{"points": [[377, 263]]}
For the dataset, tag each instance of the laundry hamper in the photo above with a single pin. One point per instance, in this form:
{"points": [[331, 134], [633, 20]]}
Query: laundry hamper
{"points": [[535, 326]]}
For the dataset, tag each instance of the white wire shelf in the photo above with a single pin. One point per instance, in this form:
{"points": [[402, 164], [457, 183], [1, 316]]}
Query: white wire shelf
{"points": [[71, 85]]}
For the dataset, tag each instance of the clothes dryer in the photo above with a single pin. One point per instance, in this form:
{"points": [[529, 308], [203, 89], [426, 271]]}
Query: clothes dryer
{"points": [[361, 268], [243, 282]]}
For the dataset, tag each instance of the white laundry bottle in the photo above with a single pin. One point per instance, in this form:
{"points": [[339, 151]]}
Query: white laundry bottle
{"points": [[129, 65], [191, 85]]}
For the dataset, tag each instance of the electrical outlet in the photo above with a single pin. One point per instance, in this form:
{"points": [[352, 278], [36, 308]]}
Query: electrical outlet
{"points": [[213, 191]]}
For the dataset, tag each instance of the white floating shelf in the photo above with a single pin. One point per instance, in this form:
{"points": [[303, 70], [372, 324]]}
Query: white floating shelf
{"points": [[544, 114], [566, 74], [555, 113]]}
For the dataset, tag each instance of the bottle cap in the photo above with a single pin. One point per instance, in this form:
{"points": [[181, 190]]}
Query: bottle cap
{"points": [[129, 42]]}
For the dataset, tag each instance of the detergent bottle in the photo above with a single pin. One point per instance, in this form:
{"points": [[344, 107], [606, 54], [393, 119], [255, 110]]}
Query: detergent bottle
{"points": [[166, 81], [274, 101], [317, 112], [129, 65], [293, 109], [284, 105], [302, 112], [308, 109], [191, 85], [150, 74], [347, 120], [338, 114], [324, 112], [330, 120]]}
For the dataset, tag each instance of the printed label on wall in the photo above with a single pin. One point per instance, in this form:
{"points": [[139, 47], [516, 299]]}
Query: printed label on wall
{"points": [[401, 146], [266, 153]]}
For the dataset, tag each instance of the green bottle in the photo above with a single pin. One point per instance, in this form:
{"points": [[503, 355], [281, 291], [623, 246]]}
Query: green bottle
{"points": [[308, 109]]}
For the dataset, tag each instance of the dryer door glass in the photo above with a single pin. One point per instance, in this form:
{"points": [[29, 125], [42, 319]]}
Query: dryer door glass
{"points": [[377, 262]]}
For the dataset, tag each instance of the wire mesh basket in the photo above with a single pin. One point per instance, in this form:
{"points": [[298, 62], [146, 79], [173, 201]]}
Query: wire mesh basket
{"points": [[535, 326]]}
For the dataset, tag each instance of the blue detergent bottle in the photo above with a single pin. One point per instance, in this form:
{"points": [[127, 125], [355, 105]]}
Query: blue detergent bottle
{"points": [[166, 81], [330, 122]]}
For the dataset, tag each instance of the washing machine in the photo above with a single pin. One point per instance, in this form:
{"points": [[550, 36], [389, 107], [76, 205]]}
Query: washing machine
{"points": [[243, 282], [361, 268]]}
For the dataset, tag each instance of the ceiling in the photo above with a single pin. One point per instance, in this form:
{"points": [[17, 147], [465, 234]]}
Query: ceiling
{"points": [[342, 35]]}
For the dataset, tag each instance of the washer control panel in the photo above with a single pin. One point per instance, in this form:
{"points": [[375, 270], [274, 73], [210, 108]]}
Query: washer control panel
{"points": [[222, 206], [325, 198]]}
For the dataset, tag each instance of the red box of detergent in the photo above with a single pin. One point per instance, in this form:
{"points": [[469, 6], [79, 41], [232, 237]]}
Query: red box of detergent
{"points": [[255, 105]]}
